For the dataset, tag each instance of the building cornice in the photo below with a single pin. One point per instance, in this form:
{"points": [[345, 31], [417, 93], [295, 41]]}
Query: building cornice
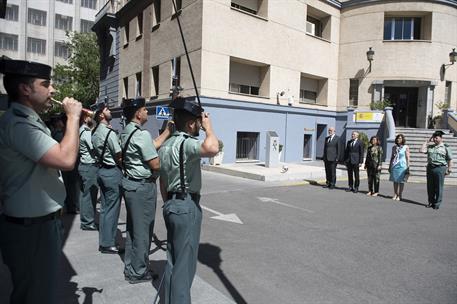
{"points": [[355, 3]]}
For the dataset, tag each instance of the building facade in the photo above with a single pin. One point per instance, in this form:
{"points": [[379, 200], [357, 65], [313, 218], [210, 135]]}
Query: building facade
{"points": [[291, 67]]}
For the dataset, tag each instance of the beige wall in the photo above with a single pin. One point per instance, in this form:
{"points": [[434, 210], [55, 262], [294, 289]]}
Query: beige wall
{"points": [[362, 27], [279, 41]]}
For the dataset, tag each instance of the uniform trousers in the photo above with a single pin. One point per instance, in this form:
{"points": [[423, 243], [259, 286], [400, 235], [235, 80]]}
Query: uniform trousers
{"points": [[109, 180], [32, 254], [183, 218], [353, 175], [88, 196], [435, 184], [140, 201], [71, 182]]}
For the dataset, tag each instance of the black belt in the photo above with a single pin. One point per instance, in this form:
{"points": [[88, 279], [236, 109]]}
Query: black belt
{"points": [[150, 179], [179, 195], [108, 166], [436, 166], [25, 221]]}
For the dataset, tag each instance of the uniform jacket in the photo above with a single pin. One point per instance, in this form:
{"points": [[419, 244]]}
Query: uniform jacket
{"points": [[374, 157], [333, 149], [354, 153]]}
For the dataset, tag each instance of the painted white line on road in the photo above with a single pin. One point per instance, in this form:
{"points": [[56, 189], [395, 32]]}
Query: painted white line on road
{"points": [[231, 217], [276, 201]]}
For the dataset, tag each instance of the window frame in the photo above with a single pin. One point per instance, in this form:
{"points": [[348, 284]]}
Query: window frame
{"points": [[392, 22], [353, 99], [32, 44], [63, 22], [33, 14], [12, 10], [9, 39]]}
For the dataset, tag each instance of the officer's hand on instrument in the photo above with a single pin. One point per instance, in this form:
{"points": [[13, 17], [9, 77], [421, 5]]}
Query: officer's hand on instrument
{"points": [[206, 122], [170, 126], [72, 107]]}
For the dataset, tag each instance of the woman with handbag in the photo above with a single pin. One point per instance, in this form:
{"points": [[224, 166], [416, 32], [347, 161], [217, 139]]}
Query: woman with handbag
{"points": [[373, 163], [399, 166]]}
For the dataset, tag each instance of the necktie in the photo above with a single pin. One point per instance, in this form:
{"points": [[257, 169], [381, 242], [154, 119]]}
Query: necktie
{"points": [[353, 142]]}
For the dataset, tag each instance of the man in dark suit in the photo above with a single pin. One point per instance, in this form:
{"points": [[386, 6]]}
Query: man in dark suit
{"points": [[332, 151], [353, 156]]}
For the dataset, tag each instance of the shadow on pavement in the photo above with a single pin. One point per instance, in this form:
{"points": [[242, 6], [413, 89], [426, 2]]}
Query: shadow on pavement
{"points": [[210, 256], [67, 290]]}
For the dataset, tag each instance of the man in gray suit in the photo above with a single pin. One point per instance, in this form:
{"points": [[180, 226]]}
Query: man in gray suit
{"points": [[332, 151]]}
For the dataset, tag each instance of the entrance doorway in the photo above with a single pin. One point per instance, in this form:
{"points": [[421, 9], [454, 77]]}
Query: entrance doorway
{"points": [[404, 101], [307, 145]]}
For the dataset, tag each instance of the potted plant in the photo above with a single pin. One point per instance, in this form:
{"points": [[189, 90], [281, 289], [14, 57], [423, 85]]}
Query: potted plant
{"points": [[217, 160]]}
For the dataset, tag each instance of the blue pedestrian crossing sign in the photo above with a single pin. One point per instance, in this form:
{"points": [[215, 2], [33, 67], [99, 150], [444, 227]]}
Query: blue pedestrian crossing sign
{"points": [[162, 113]]}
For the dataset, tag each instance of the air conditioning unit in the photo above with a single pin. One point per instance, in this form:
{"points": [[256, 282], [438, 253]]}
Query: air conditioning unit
{"points": [[310, 28]]}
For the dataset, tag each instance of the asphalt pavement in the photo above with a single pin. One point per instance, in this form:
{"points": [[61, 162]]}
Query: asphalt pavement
{"points": [[287, 242]]}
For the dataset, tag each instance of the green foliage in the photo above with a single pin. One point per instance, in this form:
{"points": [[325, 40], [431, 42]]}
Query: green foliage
{"points": [[380, 105], [221, 145], [80, 77], [442, 105], [364, 139]]}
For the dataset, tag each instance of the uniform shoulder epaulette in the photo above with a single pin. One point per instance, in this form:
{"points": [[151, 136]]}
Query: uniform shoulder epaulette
{"points": [[446, 145], [20, 113]]}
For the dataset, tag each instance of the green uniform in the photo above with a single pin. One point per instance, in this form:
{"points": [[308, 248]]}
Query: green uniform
{"points": [[182, 214], [437, 158], [30, 230], [373, 161], [88, 173], [109, 178], [140, 194]]}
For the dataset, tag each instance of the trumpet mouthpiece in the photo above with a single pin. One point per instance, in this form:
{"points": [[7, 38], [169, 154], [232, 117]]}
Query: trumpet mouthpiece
{"points": [[86, 111]]}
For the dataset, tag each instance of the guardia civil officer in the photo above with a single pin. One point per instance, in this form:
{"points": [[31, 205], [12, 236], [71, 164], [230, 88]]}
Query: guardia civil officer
{"points": [[109, 175], [88, 172], [180, 184], [439, 164], [32, 192], [141, 167]]}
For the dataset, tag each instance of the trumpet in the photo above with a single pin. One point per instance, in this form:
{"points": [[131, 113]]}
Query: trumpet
{"points": [[87, 111]]}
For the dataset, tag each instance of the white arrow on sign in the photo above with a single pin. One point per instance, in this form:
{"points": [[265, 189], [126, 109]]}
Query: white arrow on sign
{"points": [[276, 201], [231, 217]]}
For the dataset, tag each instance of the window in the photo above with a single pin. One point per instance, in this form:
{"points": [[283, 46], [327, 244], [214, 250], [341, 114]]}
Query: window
{"points": [[126, 87], [155, 81], [447, 92], [86, 26], [156, 14], [36, 46], [61, 50], [139, 25], [37, 17], [353, 92], [64, 22], [138, 84], [308, 96], [126, 34], [12, 12], [8, 42], [175, 72], [318, 23], [247, 146], [66, 1], [250, 78], [402, 28], [89, 3], [245, 8]]}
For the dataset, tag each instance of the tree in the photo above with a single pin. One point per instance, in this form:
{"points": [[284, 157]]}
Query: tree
{"points": [[81, 76]]}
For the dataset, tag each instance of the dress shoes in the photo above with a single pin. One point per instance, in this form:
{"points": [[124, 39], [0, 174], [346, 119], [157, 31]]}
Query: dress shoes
{"points": [[147, 277], [89, 228], [436, 207], [331, 187], [355, 190], [110, 250], [430, 205], [349, 189]]}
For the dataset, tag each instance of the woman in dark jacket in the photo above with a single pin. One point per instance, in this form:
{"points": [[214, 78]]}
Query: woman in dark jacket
{"points": [[373, 163]]}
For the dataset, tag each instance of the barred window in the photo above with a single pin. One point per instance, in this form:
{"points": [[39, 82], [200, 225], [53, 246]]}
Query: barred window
{"points": [[8, 42], [89, 3], [12, 12], [64, 22], [61, 50], [36, 46], [37, 17], [66, 1], [353, 92], [86, 26]]}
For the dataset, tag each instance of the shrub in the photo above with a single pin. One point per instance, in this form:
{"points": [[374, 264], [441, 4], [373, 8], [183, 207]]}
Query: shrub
{"points": [[221, 145], [380, 105], [364, 139]]}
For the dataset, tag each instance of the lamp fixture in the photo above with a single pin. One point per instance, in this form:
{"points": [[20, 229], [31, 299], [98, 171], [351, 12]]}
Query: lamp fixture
{"points": [[452, 59], [370, 57]]}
